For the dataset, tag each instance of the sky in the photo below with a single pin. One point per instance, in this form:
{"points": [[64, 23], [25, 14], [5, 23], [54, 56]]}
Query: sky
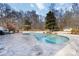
{"points": [[40, 8]]}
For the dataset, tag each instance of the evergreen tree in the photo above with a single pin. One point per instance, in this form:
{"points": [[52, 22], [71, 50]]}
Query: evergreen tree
{"points": [[27, 25], [51, 21]]}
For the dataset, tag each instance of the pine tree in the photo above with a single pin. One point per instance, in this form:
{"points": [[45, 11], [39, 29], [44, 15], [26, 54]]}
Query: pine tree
{"points": [[51, 21]]}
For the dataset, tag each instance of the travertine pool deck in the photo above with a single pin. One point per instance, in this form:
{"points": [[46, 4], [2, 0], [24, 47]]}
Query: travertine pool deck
{"points": [[27, 45]]}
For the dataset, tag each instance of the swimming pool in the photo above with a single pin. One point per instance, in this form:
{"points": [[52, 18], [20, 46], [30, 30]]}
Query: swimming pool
{"points": [[51, 38]]}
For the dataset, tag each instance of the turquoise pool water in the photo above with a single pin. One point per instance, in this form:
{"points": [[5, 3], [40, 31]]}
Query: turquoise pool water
{"points": [[50, 38]]}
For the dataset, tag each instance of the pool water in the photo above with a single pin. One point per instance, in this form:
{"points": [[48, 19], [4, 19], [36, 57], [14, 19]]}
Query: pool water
{"points": [[51, 38]]}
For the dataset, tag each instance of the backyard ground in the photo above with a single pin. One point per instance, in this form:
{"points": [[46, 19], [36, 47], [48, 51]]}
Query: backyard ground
{"points": [[27, 45]]}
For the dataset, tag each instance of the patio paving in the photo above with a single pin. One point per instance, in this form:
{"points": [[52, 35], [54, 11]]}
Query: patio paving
{"points": [[26, 45]]}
